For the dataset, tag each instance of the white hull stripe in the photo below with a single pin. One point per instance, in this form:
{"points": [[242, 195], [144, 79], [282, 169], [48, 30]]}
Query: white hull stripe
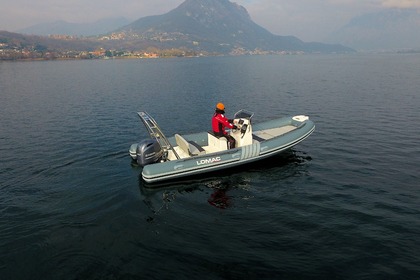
{"points": [[250, 151]]}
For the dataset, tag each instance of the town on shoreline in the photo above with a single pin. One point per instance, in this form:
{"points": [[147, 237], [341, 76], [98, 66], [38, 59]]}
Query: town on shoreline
{"points": [[8, 53], [17, 49]]}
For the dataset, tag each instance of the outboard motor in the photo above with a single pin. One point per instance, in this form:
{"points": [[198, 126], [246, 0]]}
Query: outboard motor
{"points": [[148, 151]]}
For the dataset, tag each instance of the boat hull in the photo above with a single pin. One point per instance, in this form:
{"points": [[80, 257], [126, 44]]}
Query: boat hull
{"points": [[266, 144]]}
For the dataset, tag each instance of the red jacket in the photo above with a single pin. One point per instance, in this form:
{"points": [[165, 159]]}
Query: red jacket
{"points": [[219, 122]]}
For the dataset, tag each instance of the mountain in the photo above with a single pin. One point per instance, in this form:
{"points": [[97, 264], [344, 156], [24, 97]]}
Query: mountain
{"points": [[195, 27], [77, 29], [385, 30], [216, 26]]}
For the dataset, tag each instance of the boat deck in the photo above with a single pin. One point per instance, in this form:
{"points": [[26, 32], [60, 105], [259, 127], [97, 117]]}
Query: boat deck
{"points": [[259, 136], [182, 154], [267, 134]]}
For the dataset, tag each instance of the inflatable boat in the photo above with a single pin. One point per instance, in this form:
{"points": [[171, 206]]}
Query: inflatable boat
{"points": [[180, 156]]}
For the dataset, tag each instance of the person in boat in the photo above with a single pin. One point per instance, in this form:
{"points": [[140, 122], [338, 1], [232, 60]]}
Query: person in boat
{"points": [[220, 123]]}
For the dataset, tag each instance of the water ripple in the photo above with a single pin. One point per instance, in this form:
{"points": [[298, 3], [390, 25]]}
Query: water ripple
{"points": [[342, 204]]}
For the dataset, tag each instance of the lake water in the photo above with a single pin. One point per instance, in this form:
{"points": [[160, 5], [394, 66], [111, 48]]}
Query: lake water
{"points": [[343, 204]]}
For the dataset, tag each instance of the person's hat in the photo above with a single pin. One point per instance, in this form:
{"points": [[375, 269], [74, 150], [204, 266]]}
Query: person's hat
{"points": [[220, 106]]}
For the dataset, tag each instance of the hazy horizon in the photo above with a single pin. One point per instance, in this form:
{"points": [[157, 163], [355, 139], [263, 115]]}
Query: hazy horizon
{"points": [[309, 20]]}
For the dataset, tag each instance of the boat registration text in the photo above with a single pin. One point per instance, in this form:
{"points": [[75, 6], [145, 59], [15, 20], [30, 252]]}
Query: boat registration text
{"points": [[208, 160]]}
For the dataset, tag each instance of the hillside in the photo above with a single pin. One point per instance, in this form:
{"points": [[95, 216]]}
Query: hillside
{"points": [[76, 29], [218, 26], [21, 41]]}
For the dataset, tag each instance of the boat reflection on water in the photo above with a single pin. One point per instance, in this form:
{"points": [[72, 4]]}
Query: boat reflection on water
{"points": [[288, 164], [219, 198]]}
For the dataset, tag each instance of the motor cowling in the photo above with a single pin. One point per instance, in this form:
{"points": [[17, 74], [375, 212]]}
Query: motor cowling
{"points": [[148, 151]]}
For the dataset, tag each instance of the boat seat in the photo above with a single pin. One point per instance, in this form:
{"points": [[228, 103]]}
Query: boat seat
{"points": [[189, 147], [196, 149], [217, 143]]}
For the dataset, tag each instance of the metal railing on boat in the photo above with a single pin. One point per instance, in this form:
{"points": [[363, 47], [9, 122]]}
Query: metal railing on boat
{"points": [[157, 134]]}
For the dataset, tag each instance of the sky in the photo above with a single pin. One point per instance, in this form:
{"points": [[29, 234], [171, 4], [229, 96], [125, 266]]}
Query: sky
{"points": [[309, 20]]}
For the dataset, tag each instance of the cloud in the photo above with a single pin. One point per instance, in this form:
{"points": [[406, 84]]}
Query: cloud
{"points": [[401, 3]]}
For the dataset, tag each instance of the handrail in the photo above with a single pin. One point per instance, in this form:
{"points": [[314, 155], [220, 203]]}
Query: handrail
{"points": [[243, 114], [156, 133]]}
